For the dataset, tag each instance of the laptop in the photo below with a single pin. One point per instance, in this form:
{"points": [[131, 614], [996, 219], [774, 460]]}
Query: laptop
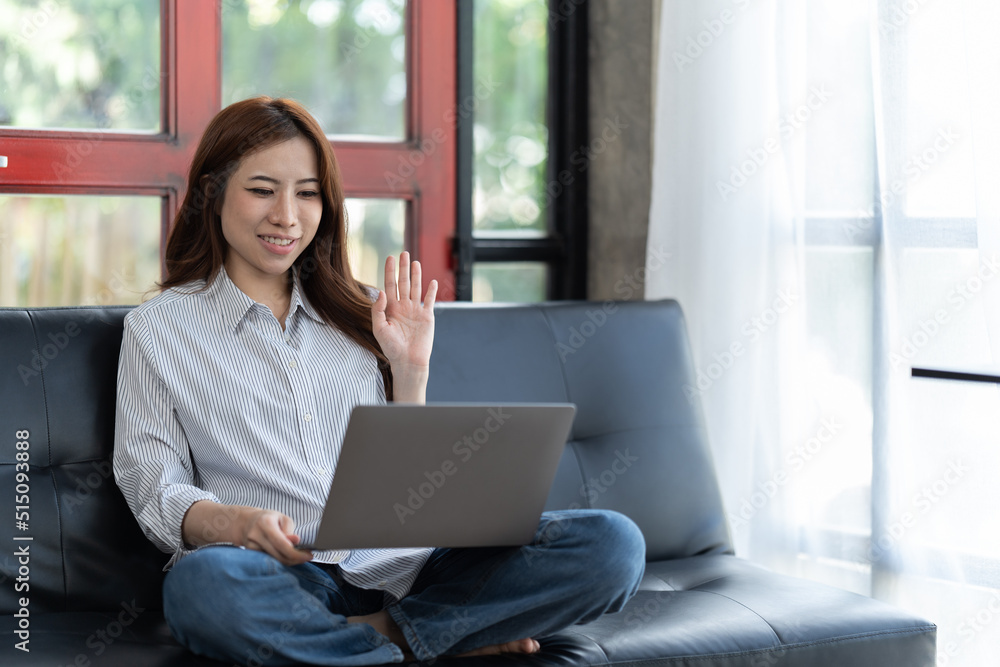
{"points": [[443, 475]]}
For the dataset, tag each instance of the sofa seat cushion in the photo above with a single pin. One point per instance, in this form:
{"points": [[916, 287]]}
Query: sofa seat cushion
{"points": [[130, 637], [693, 612], [725, 611]]}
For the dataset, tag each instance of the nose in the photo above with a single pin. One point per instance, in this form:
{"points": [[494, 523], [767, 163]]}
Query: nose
{"points": [[283, 212]]}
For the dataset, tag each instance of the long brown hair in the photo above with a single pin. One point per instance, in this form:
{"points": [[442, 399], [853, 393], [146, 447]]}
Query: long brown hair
{"points": [[196, 247]]}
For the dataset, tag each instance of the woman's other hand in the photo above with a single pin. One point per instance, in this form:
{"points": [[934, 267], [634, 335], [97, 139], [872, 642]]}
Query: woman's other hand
{"points": [[274, 534], [251, 527]]}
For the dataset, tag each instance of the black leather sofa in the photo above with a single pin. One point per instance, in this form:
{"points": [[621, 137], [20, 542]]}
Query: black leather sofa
{"points": [[90, 581]]}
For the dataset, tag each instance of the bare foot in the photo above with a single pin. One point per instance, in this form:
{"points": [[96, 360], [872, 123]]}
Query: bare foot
{"points": [[516, 646], [385, 626]]}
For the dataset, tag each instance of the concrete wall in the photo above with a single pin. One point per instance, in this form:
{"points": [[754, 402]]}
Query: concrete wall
{"points": [[622, 75]]}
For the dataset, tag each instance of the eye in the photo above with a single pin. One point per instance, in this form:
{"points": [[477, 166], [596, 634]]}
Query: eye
{"points": [[309, 194]]}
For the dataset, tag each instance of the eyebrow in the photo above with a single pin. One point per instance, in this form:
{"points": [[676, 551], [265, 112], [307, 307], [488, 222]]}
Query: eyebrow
{"points": [[268, 179]]}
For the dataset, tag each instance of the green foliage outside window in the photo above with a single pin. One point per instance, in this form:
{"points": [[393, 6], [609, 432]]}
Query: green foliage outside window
{"points": [[343, 59], [510, 134], [80, 64]]}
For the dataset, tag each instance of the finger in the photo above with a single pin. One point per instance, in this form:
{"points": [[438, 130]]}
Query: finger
{"points": [[404, 275], [287, 525], [432, 290], [285, 554], [287, 546], [263, 545], [415, 278], [269, 534], [301, 555], [390, 278], [295, 557], [278, 537]]}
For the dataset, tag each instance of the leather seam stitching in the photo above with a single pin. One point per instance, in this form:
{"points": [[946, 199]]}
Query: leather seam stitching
{"points": [[51, 466], [752, 611], [562, 371], [562, 364]]}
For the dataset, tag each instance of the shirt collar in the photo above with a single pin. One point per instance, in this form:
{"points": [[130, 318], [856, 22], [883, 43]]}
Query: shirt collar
{"points": [[300, 300], [234, 304]]}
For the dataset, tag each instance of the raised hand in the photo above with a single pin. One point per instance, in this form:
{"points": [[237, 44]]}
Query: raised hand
{"points": [[404, 327]]}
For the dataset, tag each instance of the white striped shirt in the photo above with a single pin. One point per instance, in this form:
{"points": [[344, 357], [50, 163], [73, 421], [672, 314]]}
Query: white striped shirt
{"points": [[216, 402]]}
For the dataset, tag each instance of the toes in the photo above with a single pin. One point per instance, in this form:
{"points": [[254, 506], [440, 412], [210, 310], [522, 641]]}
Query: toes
{"points": [[519, 646], [516, 646]]}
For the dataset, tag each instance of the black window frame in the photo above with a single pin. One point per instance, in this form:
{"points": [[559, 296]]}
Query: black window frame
{"points": [[564, 248]]}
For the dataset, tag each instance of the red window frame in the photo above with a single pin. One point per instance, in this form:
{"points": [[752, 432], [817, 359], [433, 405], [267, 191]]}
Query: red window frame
{"points": [[419, 170]]}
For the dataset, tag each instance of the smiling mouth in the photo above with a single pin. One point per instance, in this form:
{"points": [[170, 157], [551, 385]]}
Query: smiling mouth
{"points": [[277, 241]]}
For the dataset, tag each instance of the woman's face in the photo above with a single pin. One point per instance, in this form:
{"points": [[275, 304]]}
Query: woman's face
{"points": [[270, 212]]}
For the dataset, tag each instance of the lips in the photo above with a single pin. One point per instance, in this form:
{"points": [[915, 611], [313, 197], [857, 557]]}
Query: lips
{"points": [[277, 244]]}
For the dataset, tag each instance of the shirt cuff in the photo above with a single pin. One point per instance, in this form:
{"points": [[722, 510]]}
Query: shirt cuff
{"points": [[175, 504]]}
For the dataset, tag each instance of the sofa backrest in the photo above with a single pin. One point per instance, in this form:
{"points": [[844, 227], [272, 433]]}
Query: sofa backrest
{"points": [[58, 384], [637, 446]]}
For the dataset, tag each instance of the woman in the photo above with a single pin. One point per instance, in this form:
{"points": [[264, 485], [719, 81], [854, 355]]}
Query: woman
{"points": [[235, 385]]}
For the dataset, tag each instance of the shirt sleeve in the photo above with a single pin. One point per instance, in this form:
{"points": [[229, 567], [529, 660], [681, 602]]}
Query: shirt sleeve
{"points": [[152, 460]]}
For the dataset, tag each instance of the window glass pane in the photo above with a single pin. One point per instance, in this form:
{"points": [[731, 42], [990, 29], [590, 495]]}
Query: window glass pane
{"points": [[942, 311], [89, 250], [939, 165], [509, 281], [91, 64], [78, 250], [831, 486], [343, 59], [376, 230], [510, 137], [832, 120]]}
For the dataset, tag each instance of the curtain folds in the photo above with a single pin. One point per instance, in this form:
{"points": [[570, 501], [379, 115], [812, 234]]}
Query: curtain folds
{"points": [[826, 181]]}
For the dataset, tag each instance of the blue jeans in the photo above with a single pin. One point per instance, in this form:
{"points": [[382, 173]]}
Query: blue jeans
{"points": [[244, 606]]}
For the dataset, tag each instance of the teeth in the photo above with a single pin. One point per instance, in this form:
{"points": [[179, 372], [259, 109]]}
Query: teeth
{"points": [[276, 241]]}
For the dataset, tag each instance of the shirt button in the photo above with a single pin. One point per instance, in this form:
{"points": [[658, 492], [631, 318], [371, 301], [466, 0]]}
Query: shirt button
{"points": [[293, 364], [321, 472], [308, 417], [288, 338], [383, 582]]}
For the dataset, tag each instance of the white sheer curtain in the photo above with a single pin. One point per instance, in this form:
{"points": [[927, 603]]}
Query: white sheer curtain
{"points": [[827, 184]]}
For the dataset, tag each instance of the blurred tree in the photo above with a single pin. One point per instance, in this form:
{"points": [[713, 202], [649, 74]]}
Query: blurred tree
{"points": [[343, 59], [510, 134], [91, 64]]}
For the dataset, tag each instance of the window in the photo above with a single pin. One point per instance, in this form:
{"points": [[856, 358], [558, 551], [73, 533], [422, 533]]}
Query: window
{"points": [[103, 102], [924, 200], [89, 172], [521, 231], [100, 131], [833, 130]]}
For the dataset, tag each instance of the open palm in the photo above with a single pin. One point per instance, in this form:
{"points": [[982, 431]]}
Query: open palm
{"points": [[404, 326]]}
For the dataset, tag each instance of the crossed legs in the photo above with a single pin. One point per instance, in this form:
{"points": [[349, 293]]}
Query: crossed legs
{"points": [[241, 605]]}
